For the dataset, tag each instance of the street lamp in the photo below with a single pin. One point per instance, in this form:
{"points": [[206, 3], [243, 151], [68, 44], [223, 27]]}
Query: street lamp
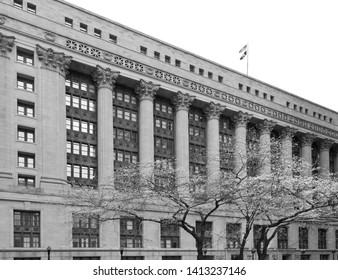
{"points": [[253, 251], [121, 253], [333, 252], [48, 252]]}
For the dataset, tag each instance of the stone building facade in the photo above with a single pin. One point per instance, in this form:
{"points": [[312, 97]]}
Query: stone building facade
{"points": [[80, 94]]}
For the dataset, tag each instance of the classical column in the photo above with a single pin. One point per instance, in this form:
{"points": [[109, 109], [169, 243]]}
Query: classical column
{"points": [[105, 80], [213, 112], [336, 161], [306, 153], [6, 75], [324, 156], [182, 103], [241, 120], [53, 70], [265, 129], [286, 149], [146, 92]]}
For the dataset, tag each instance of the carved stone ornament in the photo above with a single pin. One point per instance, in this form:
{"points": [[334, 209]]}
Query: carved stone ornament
{"points": [[6, 43], [241, 119], [325, 145], [307, 139], [213, 110], [2, 20], [105, 77], [50, 36], [54, 60], [182, 100], [288, 133], [146, 90], [266, 126]]}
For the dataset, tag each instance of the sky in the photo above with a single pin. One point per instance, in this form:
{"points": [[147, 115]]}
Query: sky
{"points": [[292, 43]]}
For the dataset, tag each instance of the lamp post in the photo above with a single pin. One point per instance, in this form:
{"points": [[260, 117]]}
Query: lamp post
{"points": [[333, 252], [48, 252], [121, 253], [253, 251]]}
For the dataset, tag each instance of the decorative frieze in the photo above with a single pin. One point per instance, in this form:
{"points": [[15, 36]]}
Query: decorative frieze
{"points": [[266, 126], [54, 60], [213, 110], [147, 90], [307, 139], [325, 145], [182, 101], [105, 77], [241, 119], [6, 43]]}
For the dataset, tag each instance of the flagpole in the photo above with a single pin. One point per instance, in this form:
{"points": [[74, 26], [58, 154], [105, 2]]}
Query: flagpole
{"points": [[247, 60]]}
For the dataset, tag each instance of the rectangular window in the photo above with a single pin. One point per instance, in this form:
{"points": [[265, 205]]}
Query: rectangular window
{"points": [[76, 101], [143, 50], [25, 83], [92, 151], [287, 104], [83, 27], [207, 242], [233, 235], [201, 71], [282, 238], [84, 149], [76, 148], [303, 238], [170, 234], [85, 232], [26, 180], [31, 8], [210, 75], [26, 229], [25, 56], [84, 104], [192, 68], [97, 33], [257, 92], [130, 233], [26, 134], [248, 89], [68, 22], [17, 4], [134, 117], [76, 125], [76, 171], [26, 160], [220, 79], [157, 55], [265, 96], [177, 63], [69, 147], [272, 98], [84, 126], [322, 238], [25, 109], [92, 105], [112, 38], [167, 59]]}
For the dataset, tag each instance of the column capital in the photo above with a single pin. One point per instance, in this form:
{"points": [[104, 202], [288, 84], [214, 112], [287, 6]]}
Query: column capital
{"points": [[6, 43], [288, 132], [241, 119], [105, 77], [266, 126], [54, 60], [146, 90], [213, 110], [182, 101], [307, 139], [325, 145]]}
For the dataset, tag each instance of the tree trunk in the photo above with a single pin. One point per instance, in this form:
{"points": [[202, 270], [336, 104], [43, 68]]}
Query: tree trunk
{"points": [[199, 245]]}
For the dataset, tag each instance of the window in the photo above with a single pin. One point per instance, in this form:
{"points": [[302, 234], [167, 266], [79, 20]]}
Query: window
{"points": [[31, 8], [157, 55], [83, 27], [68, 22], [314, 114], [301, 109], [272, 98], [25, 83], [294, 107], [170, 234], [240, 86], [112, 38], [130, 233], [220, 79], [306, 111], [25, 109], [26, 180], [303, 238], [167, 59], [26, 160], [265, 96], [322, 238], [201, 71], [324, 257], [319, 116], [207, 242], [210, 75], [25, 56], [143, 50], [132, 258], [85, 232], [287, 104], [282, 238], [248, 89], [177, 63], [26, 229], [26, 134], [17, 4], [233, 235], [192, 68], [257, 92], [167, 258], [97, 33]]}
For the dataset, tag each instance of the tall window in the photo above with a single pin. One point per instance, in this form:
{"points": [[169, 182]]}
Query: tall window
{"points": [[85, 232], [207, 242], [233, 235], [303, 238], [26, 229], [130, 233], [322, 238], [282, 238], [170, 234]]}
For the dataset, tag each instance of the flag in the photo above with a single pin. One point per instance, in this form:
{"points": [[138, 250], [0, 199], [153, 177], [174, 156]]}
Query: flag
{"points": [[244, 55], [243, 49]]}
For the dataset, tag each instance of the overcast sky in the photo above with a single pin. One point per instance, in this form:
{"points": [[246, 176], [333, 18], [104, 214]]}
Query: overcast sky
{"points": [[293, 44]]}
